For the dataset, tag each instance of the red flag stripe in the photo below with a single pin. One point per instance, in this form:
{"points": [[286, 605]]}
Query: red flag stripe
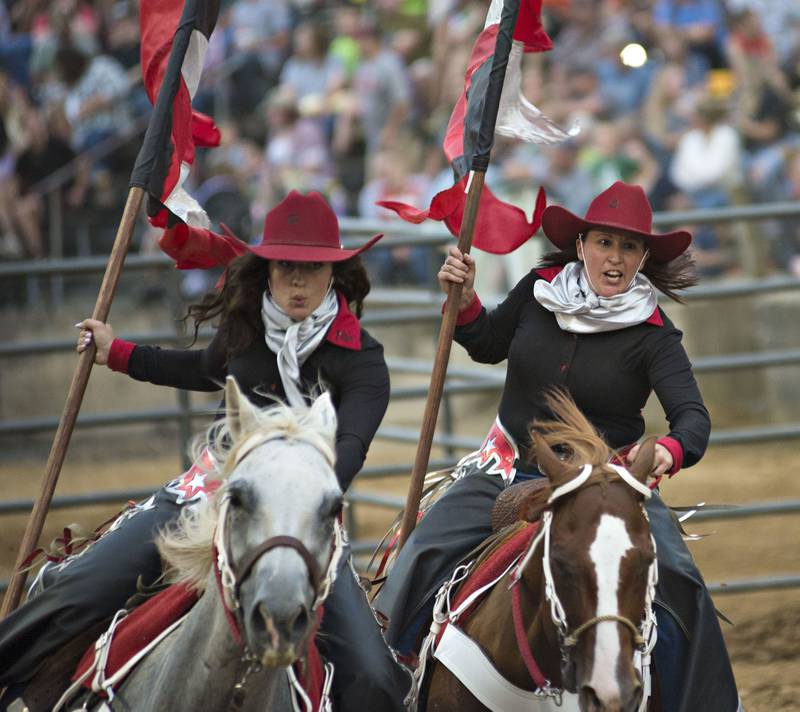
{"points": [[160, 20], [500, 227]]}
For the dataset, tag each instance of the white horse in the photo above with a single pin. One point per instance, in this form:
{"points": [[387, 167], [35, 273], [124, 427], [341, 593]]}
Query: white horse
{"points": [[262, 554]]}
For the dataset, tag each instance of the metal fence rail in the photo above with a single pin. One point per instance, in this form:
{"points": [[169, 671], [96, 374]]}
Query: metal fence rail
{"points": [[388, 307]]}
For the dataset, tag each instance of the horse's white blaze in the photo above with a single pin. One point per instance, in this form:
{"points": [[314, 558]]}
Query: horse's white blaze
{"points": [[606, 552]]}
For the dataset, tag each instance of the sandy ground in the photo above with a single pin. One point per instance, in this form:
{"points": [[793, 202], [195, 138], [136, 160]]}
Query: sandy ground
{"points": [[765, 640]]}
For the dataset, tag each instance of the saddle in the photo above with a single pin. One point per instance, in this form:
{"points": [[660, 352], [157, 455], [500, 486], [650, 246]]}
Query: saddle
{"points": [[507, 506]]}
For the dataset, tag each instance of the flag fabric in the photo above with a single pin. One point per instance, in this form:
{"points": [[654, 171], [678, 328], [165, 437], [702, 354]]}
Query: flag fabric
{"points": [[199, 248], [500, 227], [174, 39]]}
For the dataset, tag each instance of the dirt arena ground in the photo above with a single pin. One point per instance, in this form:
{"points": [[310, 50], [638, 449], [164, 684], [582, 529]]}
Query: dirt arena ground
{"points": [[764, 642]]}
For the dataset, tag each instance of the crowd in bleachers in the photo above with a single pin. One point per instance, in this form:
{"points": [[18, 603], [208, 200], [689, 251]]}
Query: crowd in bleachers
{"points": [[696, 100]]}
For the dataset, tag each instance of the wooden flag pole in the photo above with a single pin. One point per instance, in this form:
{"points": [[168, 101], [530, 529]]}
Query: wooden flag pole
{"points": [[479, 164], [74, 398], [446, 331]]}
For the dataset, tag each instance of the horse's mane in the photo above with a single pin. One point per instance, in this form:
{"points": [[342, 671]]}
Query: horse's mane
{"points": [[570, 433], [185, 545]]}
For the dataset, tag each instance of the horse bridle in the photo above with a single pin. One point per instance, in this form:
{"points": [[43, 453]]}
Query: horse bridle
{"points": [[643, 637], [275, 542], [229, 582], [230, 578]]}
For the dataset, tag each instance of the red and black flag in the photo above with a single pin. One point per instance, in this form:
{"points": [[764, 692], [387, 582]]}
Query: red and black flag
{"points": [[175, 37], [491, 93]]}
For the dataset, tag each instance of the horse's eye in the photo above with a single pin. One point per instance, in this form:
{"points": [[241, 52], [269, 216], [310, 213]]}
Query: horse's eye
{"points": [[237, 498]]}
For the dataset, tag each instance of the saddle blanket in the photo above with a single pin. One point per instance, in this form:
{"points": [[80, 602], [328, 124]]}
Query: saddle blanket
{"points": [[491, 567], [138, 629], [146, 622]]}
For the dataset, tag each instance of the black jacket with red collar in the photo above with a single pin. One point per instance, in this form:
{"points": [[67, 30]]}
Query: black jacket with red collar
{"points": [[610, 374], [349, 363]]}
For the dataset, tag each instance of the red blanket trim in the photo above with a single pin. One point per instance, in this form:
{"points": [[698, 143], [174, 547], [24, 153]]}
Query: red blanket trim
{"points": [[491, 568], [119, 354], [139, 628]]}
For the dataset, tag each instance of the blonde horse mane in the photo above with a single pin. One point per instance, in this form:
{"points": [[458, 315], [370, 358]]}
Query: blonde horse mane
{"points": [[571, 431], [186, 544]]}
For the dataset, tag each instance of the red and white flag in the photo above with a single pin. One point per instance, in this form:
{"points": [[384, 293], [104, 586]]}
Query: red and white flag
{"points": [[175, 37], [500, 227]]}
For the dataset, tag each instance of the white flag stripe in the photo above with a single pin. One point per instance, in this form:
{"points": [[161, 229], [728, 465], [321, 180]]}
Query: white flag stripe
{"points": [[517, 117], [193, 61], [495, 11], [183, 205]]}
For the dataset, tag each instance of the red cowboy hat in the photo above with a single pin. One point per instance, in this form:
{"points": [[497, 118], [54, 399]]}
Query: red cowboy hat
{"points": [[303, 228], [620, 207]]}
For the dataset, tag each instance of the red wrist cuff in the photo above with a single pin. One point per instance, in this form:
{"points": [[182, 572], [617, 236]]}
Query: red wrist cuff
{"points": [[119, 354], [465, 316], [675, 449]]}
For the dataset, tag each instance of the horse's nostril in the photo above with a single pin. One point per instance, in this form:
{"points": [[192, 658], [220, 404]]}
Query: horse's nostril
{"points": [[281, 627], [263, 622], [589, 701], [300, 624]]}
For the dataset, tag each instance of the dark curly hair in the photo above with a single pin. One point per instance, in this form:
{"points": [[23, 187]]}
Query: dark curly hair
{"points": [[668, 277], [238, 303]]}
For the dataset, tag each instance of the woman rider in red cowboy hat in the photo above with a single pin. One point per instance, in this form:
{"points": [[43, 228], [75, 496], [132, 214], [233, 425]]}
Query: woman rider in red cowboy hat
{"points": [[288, 320], [587, 320]]}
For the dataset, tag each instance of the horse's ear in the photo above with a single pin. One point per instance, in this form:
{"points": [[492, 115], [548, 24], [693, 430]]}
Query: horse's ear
{"points": [[556, 470], [323, 415], [642, 464], [239, 412]]}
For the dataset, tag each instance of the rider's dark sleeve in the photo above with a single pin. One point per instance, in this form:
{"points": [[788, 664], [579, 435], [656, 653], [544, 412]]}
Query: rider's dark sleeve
{"points": [[363, 389], [487, 338]]}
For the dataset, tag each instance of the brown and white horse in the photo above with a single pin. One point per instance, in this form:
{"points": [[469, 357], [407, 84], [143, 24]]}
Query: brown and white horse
{"points": [[573, 615]]}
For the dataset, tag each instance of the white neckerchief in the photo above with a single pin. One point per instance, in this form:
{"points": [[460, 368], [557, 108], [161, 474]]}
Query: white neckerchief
{"points": [[294, 341], [580, 311]]}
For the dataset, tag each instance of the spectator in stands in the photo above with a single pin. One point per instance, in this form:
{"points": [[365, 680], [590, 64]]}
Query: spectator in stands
{"points": [[393, 179], [94, 102], [46, 153], [614, 152], [764, 104], [707, 168], [780, 20], [622, 88], [701, 23], [311, 73], [583, 37], [557, 169], [707, 161], [382, 88], [346, 20], [404, 80], [296, 156], [260, 39]]}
